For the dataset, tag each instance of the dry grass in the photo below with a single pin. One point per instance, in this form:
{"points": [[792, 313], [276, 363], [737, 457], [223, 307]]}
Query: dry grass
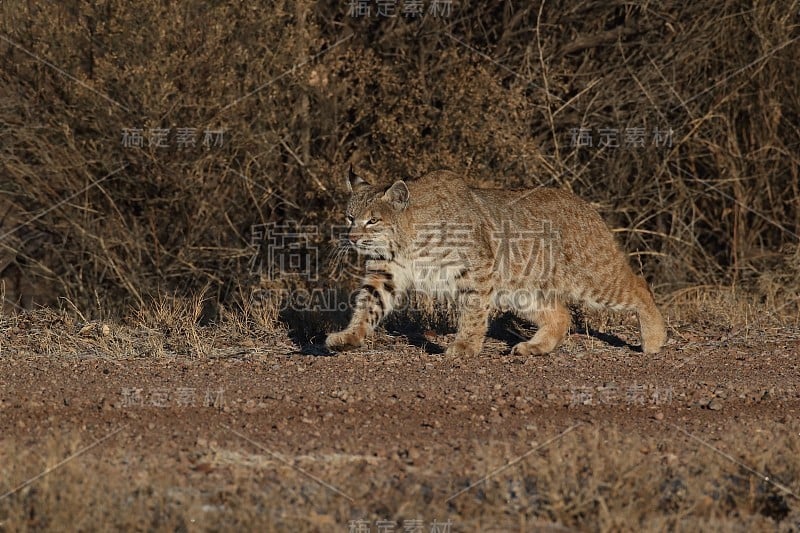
{"points": [[598, 476], [592, 479], [110, 228], [146, 251]]}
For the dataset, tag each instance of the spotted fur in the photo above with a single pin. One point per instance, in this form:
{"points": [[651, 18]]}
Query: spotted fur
{"points": [[530, 252]]}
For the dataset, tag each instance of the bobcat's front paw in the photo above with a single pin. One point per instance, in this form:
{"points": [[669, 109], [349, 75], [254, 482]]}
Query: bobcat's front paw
{"points": [[343, 340], [461, 348], [529, 348]]}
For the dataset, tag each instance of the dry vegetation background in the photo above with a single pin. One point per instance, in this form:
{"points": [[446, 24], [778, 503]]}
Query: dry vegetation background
{"points": [[133, 249], [302, 90]]}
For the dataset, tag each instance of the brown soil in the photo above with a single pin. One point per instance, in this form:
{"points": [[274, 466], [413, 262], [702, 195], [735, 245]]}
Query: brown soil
{"points": [[600, 436]]}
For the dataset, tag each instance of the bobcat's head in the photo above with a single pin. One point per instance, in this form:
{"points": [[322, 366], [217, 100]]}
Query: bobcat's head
{"points": [[373, 216]]}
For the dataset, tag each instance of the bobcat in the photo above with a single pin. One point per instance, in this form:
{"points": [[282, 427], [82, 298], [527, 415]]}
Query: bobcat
{"points": [[530, 252]]}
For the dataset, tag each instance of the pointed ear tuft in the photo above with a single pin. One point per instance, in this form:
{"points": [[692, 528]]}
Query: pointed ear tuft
{"points": [[397, 195], [354, 182]]}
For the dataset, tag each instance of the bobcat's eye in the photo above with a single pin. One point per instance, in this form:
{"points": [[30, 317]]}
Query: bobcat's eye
{"points": [[373, 221], [349, 220]]}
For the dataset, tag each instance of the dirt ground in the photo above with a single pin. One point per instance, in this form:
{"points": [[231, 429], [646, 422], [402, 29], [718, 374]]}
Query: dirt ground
{"points": [[264, 434]]}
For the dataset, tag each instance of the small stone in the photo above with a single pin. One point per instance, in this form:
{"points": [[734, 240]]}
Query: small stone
{"points": [[204, 468], [715, 404], [669, 459]]}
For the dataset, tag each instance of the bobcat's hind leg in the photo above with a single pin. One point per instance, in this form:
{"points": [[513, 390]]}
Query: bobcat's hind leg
{"points": [[630, 292], [651, 324], [553, 321], [374, 301]]}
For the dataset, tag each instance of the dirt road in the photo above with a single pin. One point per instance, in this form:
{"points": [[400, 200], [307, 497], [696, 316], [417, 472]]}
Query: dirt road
{"points": [[395, 437]]}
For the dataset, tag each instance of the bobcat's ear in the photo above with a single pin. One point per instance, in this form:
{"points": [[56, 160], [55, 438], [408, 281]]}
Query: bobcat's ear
{"points": [[397, 195], [354, 182]]}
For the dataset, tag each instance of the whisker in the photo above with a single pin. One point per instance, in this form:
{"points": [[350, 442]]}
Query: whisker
{"points": [[340, 252]]}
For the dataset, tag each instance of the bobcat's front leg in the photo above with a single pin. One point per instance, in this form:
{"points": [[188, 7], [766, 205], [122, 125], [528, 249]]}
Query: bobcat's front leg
{"points": [[374, 301], [473, 321]]}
